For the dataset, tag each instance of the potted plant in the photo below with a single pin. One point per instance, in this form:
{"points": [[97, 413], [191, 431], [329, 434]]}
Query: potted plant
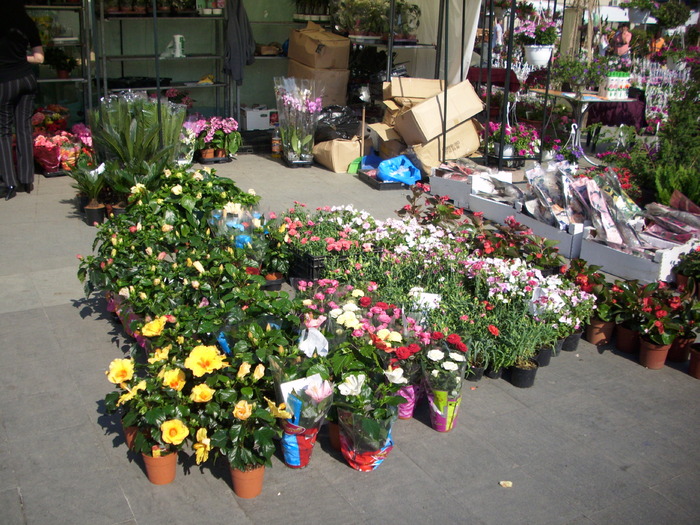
{"points": [[519, 140], [299, 109], [659, 326], [577, 73], [638, 11], [688, 317], [687, 269], [537, 38], [90, 182], [60, 61], [216, 137], [407, 20], [591, 280]]}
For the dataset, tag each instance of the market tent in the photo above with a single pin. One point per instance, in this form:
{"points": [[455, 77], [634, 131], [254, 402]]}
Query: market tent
{"points": [[422, 62]]}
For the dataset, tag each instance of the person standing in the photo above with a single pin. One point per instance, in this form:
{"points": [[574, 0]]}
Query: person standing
{"points": [[656, 44], [18, 87], [497, 36], [621, 41]]}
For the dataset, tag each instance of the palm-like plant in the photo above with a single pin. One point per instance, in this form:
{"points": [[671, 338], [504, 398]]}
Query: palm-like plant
{"points": [[88, 182]]}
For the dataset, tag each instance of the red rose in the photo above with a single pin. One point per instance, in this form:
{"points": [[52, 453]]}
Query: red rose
{"points": [[402, 352], [453, 339], [365, 301], [494, 330], [381, 305], [437, 336], [461, 347]]}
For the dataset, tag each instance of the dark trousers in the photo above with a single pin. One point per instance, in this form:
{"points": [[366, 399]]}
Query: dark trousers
{"points": [[16, 105]]}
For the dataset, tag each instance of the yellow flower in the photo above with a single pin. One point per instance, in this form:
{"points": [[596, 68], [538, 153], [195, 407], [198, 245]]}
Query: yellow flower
{"points": [[174, 431], [243, 410], [154, 328], [174, 379], [202, 446], [204, 360], [120, 370], [176, 190], [161, 354], [198, 266], [202, 393], [278, 411], [180, 340], [166, 228], [243, 370], [130, 393], [259, 371]]}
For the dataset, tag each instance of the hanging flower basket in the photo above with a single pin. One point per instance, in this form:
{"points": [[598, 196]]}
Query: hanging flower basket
{"points": [[538, 56]]}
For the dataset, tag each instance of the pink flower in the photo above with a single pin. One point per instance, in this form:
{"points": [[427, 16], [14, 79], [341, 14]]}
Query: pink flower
{"points": [[320, 391]]}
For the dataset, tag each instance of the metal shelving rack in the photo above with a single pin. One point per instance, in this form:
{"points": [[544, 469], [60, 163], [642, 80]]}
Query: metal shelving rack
{"points": [[84, 45], [222, 84]]}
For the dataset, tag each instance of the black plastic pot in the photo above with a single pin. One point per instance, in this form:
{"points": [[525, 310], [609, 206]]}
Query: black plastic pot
{"points": [[273, 285], [94, 215], [544, 356], [523, 377], [493, 374], [571, 342], [475, 373]]}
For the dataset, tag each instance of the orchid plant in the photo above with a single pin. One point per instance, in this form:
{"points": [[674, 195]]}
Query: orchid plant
{"points": [[299, 107]]}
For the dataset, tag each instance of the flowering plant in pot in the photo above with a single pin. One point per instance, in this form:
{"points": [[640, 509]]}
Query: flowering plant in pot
{"points": [[367, 410], [659, 308], [299, 107], [688, 266], [579, 72], [539, 33], [444, 365], [50, 118], [521, 139], [217, 133]]}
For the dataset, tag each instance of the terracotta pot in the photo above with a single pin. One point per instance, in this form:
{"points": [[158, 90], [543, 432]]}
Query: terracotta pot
{"points": [[600, 332], [681, 280], [248, 484], [627, 339], [652, 356], [161, 470], [129, 436], [219, 153], [334, 435], [694, 367], [207, 153], [680, 350]]}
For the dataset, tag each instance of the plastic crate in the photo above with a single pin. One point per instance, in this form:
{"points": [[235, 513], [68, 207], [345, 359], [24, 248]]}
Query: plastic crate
{"points": [[310, 267]]}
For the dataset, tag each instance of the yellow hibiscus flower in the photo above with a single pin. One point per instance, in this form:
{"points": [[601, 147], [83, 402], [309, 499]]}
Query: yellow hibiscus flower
{"points": [[243, 410], [243, 370], [204, 360], [259, 371], [174, 379], [130, 392], [202, 446], [161, 354], [174, 431], [202, 393], [278, 410], [154, 328], [120, 370]]}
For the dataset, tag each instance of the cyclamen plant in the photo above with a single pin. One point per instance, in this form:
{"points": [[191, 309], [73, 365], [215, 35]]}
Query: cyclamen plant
{"points": [[525, 140], [216, 132]]}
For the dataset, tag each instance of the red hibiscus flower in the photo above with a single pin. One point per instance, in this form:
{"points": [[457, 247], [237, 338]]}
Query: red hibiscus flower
{"points": [[494, 330]]}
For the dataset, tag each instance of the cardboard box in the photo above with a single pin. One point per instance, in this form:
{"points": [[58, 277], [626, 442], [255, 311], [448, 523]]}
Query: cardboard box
{"points": [[423, 122], [460, 141], [406, 87], [389, 143], [315, 47], [336, 155], [333, 81], [260, 117]]}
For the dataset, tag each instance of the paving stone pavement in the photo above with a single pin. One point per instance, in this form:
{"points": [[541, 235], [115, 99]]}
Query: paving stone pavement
{"points": [[598, 440]]}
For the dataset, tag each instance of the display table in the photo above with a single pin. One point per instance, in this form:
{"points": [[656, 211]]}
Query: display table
{"points": [[581, 105]]}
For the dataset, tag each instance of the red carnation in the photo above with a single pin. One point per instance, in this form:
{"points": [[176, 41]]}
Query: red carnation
{"points": [[413, 348], [381, 305], [494, 330], [461, 347], [437, 336], [402, 352], [453, 339], [365, 301]]}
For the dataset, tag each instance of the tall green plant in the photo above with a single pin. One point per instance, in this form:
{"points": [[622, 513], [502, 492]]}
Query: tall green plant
{"points": [[675, 177], [129, 131]]}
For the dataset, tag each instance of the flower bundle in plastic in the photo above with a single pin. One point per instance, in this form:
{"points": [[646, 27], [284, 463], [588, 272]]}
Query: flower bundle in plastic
{"points": [[56, 152], [299, 104]]}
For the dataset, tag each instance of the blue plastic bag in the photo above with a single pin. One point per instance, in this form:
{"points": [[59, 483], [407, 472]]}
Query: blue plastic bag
{"points": [[398, 169]]}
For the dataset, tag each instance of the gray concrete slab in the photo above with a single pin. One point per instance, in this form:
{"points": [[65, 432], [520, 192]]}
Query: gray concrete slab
{"points": [[598, 440]]}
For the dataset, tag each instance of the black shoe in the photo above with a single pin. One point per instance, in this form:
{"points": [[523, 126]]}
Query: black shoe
{"points": [[11, 192]]}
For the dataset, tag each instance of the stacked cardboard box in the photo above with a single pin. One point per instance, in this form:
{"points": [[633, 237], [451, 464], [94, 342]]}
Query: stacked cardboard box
{"points": [[414, 118], [320, 55]]}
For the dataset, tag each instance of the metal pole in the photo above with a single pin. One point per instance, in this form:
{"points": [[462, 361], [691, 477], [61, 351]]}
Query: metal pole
{"points": [[439, 39], [390, 43], [461, 53], [157, 65], [506, 84], [446, 21]]}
